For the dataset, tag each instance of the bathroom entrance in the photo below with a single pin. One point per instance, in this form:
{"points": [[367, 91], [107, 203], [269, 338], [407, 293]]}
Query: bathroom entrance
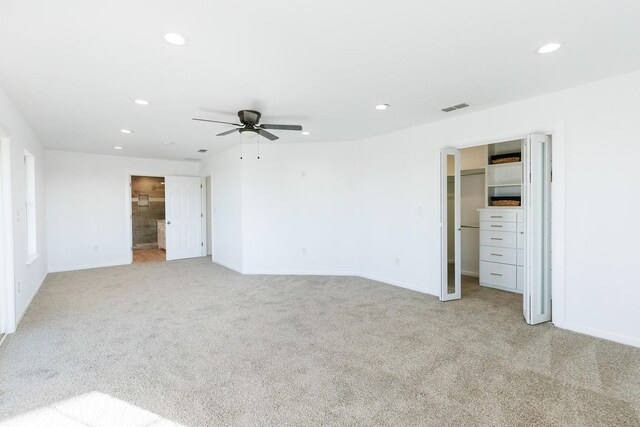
{"points": [[148, 219]]}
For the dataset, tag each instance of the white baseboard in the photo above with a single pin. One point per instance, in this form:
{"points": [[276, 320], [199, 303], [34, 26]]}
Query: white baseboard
{"points": [[300, 273], [394, 283], [470, 273], [598, 333], [33, 296], [87, 267], [4, 337], [225, 265]]}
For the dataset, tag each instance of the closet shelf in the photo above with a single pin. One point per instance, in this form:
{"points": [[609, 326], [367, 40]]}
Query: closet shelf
{"points": [[499, 165], [505, 185]]}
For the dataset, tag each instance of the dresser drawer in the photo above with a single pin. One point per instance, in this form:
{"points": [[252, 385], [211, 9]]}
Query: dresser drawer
{"points": [[503, 239], [501, 275], [498, 226], [498, 215], [502, 255]]}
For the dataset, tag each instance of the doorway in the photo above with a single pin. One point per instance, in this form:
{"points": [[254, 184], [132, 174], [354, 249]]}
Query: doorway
{"points": [[148, 219], [7, 286], [496, 230]]}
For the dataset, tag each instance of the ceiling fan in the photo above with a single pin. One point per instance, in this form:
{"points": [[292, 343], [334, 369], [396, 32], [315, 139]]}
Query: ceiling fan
{"points": [[250, 120]]}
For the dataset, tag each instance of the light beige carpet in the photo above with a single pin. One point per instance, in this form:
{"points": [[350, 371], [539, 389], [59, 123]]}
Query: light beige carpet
{"points": [[201, 345]]}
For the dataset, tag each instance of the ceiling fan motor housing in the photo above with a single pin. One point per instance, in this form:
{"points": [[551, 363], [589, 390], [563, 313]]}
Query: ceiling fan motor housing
{"points": [[249, 117]]}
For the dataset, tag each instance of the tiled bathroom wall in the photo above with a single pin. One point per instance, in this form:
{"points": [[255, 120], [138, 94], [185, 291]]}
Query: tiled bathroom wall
{"points": [[147, 206]]}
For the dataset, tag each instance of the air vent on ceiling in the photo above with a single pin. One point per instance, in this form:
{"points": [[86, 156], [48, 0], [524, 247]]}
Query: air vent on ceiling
{"points": [[455, 107], [202, 150]]}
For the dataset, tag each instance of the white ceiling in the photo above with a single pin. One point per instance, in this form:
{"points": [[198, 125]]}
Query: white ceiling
{"points": [[74, 67]]}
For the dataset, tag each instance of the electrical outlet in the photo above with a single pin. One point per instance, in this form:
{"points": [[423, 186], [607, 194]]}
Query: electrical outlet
{"points": [[96, 247], [419, 210], [303, 251], [19, 287], [397, 261], [303, 173]]}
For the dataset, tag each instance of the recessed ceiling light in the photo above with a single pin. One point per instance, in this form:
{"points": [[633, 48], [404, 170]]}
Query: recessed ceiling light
{"points": [[141, 102], [117, 148], [382, 106], [305, 132], [548, 48], [175, 39], [126, 131]]}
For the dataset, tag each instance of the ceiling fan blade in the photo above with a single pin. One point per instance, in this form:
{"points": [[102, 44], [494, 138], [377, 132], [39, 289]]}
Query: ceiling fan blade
{"points": [[268, 135], [216, 121], [282, 127], [227, 132]]}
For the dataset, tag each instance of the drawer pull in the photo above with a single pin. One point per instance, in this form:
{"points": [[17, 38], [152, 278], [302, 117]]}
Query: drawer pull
{"points": [[496, 216], [496, 226], [496, 254], [496, 238], [496, 274]]}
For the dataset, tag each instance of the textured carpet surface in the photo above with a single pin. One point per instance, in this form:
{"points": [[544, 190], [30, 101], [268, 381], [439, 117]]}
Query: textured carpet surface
{"points": [[199, 344]]}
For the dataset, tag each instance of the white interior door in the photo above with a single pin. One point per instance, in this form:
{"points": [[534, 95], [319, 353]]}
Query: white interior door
{"points": [[451, 287], [537, 263], [183, 198]]}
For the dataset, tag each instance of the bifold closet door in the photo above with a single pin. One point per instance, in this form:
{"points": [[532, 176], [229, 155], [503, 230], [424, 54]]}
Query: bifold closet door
{"points": [[451, 286], [537, 205], [183, 209]]}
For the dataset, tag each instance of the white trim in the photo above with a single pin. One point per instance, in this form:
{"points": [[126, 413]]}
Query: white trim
{"points": [[31, 258], [299, 273], [33, 296], [557, 130], [7, 268], [88, 266], [397, 284], [225, 265], [204, 211], [598, 333]]}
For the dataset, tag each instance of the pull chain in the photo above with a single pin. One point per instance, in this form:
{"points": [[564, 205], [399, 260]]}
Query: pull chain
{"points": [[258, 146], [241, 138]]}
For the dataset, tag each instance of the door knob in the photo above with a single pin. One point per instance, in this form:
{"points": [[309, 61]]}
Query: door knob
{"points": [[168, 222]]}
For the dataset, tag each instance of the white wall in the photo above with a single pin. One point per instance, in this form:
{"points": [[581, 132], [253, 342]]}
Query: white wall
{"points": [[291, 212], [87, 206], [27, 277], [601, 130], [298, 209], [226, 207], [394, 180]]}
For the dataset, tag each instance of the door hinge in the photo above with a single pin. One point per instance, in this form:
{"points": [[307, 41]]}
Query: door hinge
{"points": [[201, 215], [200, 185], [201, 243]]}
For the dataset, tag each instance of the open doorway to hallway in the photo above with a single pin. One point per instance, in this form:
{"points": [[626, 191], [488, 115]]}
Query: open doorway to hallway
{"points": [[148, 219]]}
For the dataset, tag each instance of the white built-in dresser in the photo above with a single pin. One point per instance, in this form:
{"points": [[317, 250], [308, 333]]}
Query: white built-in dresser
{"points": [[502, 228], [502, 248]]}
